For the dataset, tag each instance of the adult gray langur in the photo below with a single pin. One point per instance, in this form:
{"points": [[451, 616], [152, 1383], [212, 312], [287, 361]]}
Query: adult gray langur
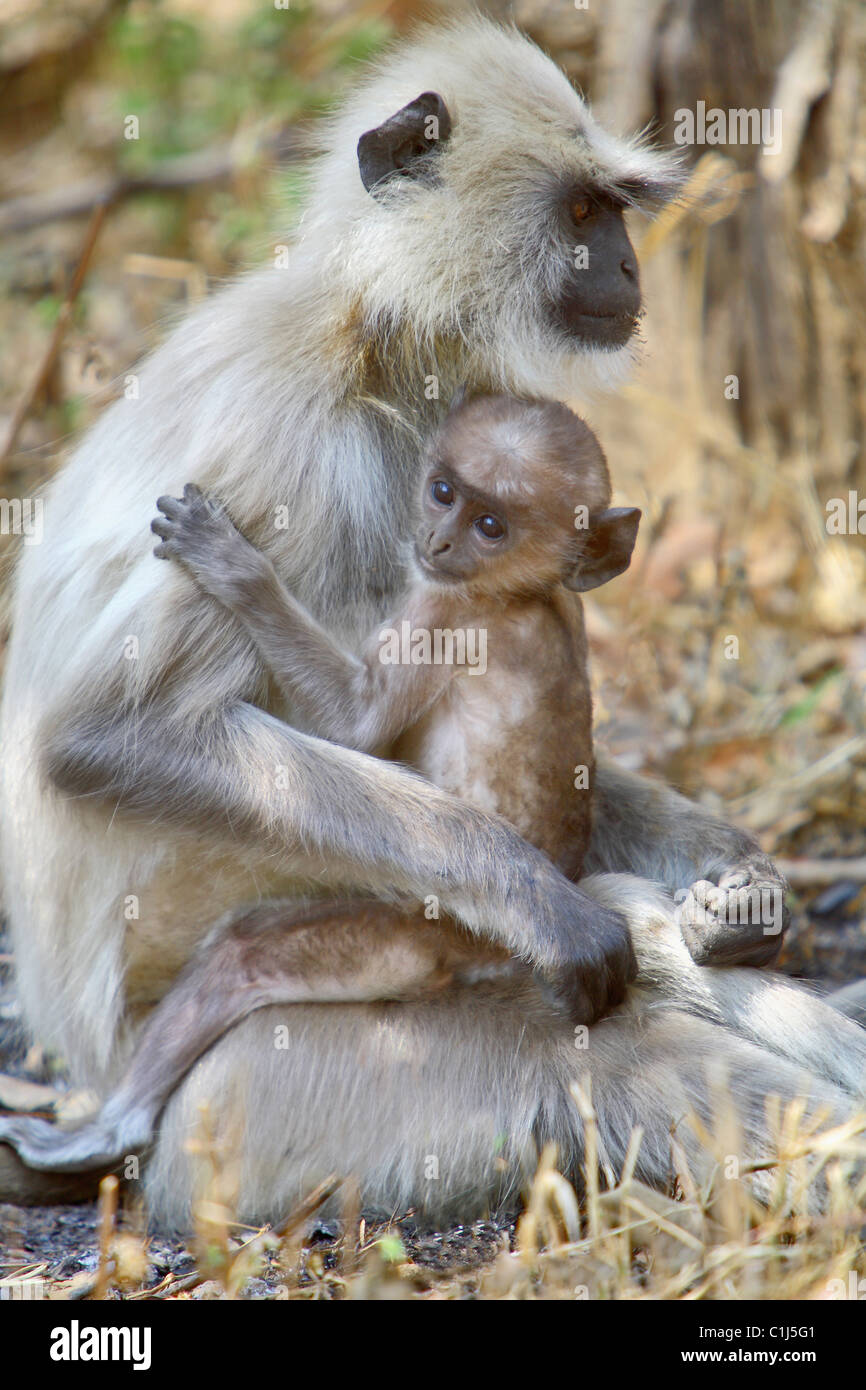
{"points": [[155, 779]]}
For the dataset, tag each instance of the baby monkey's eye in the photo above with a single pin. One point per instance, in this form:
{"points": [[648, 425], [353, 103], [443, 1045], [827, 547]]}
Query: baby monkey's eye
{"points": [[491, 527], [581, 208], [442, 492]]}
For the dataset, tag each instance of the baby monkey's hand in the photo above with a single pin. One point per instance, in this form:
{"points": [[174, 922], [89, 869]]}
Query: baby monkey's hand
{"points": [[198, 533]]}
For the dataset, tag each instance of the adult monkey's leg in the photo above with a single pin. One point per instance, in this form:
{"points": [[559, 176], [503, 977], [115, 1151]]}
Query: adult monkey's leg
{"points": [[731, 897], [440, 1104], [350, 820], [483, 1043]]}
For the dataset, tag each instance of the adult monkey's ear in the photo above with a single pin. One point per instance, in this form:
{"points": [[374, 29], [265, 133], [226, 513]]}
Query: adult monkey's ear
{"points": [[397, 148], [607, 550]]}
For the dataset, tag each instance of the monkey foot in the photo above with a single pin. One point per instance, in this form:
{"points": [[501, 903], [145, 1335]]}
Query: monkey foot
{"points": [[741, 920], [43, 1146]]}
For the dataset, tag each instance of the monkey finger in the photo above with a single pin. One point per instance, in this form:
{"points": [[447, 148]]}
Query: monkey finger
{"points": [[703, 895], [763, 908], [172, 507], [163, 529], [736, 878]]}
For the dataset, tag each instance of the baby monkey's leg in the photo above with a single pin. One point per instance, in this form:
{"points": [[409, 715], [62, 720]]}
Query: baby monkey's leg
{"points": [[346, 952]]}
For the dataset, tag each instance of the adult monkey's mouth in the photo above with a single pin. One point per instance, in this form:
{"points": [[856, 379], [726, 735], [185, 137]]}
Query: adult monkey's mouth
{"points": [[597, 330]]}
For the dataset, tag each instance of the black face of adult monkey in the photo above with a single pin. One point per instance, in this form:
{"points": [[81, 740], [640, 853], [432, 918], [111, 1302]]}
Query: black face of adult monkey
{"points": [[153, 778], [596, 298]]}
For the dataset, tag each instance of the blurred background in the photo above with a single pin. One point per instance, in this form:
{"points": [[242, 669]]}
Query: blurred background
{"points": [[731, 660]]}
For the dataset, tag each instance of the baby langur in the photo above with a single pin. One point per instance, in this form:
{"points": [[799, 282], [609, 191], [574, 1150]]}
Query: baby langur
{"points": [[514, 521], [480, 681]]}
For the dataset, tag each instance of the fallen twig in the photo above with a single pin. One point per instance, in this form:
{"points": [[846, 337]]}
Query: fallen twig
{"points": [[25, 404], [308, 1207], [822, 870], [213, 165]]}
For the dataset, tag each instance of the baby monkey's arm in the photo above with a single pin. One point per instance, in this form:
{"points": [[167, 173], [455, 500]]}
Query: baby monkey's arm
{"points": [[358, 703]]}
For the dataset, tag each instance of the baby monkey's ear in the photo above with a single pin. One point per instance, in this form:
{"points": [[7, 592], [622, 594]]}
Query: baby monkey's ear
{"points": [[609, 543]]}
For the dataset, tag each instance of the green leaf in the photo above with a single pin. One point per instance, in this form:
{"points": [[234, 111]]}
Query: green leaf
{"points": [[391, 1249], [810, 702]]}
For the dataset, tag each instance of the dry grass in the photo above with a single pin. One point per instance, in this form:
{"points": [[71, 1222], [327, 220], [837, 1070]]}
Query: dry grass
{"points": [[624, 1241]]}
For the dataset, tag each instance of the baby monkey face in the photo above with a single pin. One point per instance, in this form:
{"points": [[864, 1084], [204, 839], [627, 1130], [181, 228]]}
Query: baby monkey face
{"points": [[506, 479], [463, 532]]}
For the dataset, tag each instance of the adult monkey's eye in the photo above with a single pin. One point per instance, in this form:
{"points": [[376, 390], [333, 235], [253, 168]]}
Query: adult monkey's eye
{"points": [[491, 527], [442, 492], [581, 208]]}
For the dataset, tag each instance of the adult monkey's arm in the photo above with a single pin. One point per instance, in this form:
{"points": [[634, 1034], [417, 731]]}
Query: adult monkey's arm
{"points": [[349, 820]]}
